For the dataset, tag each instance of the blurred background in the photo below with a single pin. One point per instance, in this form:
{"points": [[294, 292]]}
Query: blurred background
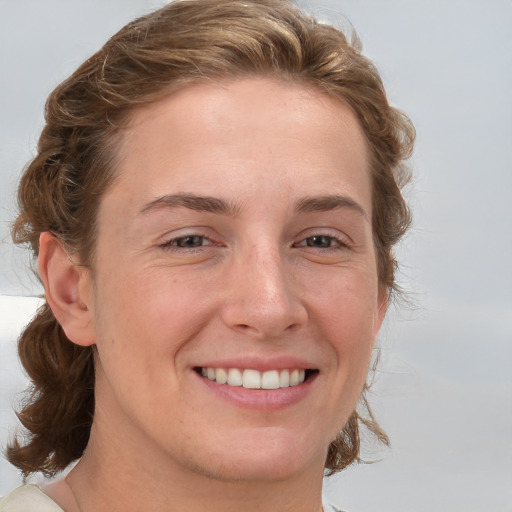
{"points": [[443, 389]]}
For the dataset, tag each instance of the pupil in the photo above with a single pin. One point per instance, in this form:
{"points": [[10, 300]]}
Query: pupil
{"points": [[319, 241], [190, 241]]}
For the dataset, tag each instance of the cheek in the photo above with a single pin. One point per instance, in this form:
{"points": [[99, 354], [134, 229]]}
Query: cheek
{"points": [[149, 317], [350, 333], [346, 315], [346, 305]]}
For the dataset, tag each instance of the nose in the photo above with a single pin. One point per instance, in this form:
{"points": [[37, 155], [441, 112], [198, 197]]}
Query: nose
{"points": [[262, 297]]}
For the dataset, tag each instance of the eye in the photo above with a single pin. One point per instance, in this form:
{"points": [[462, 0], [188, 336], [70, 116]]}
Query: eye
{"points": [[186, 242], [322, 242]]}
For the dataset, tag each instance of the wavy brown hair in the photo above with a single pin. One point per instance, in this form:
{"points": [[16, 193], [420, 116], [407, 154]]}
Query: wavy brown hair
{"points": [[186, 41]]}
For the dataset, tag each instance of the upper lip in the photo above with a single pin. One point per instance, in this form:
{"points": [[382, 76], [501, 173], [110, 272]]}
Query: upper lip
{"points": [[259, 363]]}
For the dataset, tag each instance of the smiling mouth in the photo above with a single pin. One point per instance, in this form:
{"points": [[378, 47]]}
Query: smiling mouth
{"points": [[254, 379]]}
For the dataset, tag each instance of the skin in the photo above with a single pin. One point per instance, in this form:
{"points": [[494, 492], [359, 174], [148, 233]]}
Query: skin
{"points": [[268, 279]]}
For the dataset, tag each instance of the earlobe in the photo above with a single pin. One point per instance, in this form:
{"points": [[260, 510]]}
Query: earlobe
{"points": [[67, 290]]}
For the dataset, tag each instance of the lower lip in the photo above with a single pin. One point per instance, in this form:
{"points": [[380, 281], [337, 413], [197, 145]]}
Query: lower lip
{"points": [[262, 399]]}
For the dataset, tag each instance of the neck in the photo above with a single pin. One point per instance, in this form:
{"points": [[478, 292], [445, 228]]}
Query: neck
{"points": [[111, 478]]}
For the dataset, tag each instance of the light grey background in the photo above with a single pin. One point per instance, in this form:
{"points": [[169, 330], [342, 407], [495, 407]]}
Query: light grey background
{"points": [[444, 386]]}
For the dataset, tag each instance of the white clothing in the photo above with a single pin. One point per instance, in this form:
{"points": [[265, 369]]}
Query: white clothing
{"points": [[28, 498]]}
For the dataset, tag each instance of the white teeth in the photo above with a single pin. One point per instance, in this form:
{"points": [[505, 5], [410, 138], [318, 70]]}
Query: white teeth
{"points": [[234, 377], [284, 379], [270, 380], [221, 376], [253, 379]]}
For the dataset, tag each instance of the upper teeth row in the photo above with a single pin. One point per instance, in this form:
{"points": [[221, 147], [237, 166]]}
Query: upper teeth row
{"points": [[253, 379]]}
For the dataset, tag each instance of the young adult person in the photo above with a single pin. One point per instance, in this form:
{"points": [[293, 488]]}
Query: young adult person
{"points": [[213, 209]]}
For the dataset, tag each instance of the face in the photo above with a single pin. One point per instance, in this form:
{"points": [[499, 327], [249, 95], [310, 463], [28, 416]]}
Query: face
{"points": [[235, 295]]}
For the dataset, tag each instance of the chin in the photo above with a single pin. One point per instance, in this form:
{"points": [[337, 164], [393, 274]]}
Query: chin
{"points": [[251, 470], [271, 460]]}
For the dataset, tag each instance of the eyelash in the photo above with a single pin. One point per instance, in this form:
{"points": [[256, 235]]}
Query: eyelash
{"points": [[335, 243], [173, 243], [339, 244]]}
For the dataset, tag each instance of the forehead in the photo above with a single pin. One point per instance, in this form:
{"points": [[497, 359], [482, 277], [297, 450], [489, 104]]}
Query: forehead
{"points": [[257, 104], [258, 132]]}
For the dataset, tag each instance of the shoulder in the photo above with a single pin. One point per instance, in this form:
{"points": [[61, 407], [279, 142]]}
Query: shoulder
{"points": [[28, 498]]}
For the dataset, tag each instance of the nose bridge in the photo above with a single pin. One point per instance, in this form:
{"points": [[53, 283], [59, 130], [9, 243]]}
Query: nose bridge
{"points": [[266, 272], [262, 298]]}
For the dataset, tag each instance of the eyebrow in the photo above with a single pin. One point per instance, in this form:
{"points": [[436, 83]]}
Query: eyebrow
{"points": [[192, 202], [327, 203], [223, 207]]}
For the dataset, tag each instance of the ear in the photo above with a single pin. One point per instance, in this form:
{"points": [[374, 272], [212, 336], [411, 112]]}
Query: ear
{"points": [[67, 289]]}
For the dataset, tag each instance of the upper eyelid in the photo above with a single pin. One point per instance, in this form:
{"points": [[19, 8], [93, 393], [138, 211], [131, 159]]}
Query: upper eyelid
{"points": [[214, 237], [181, 237], [169, 240], [186, 231], [325, 231], [341, 241]]}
